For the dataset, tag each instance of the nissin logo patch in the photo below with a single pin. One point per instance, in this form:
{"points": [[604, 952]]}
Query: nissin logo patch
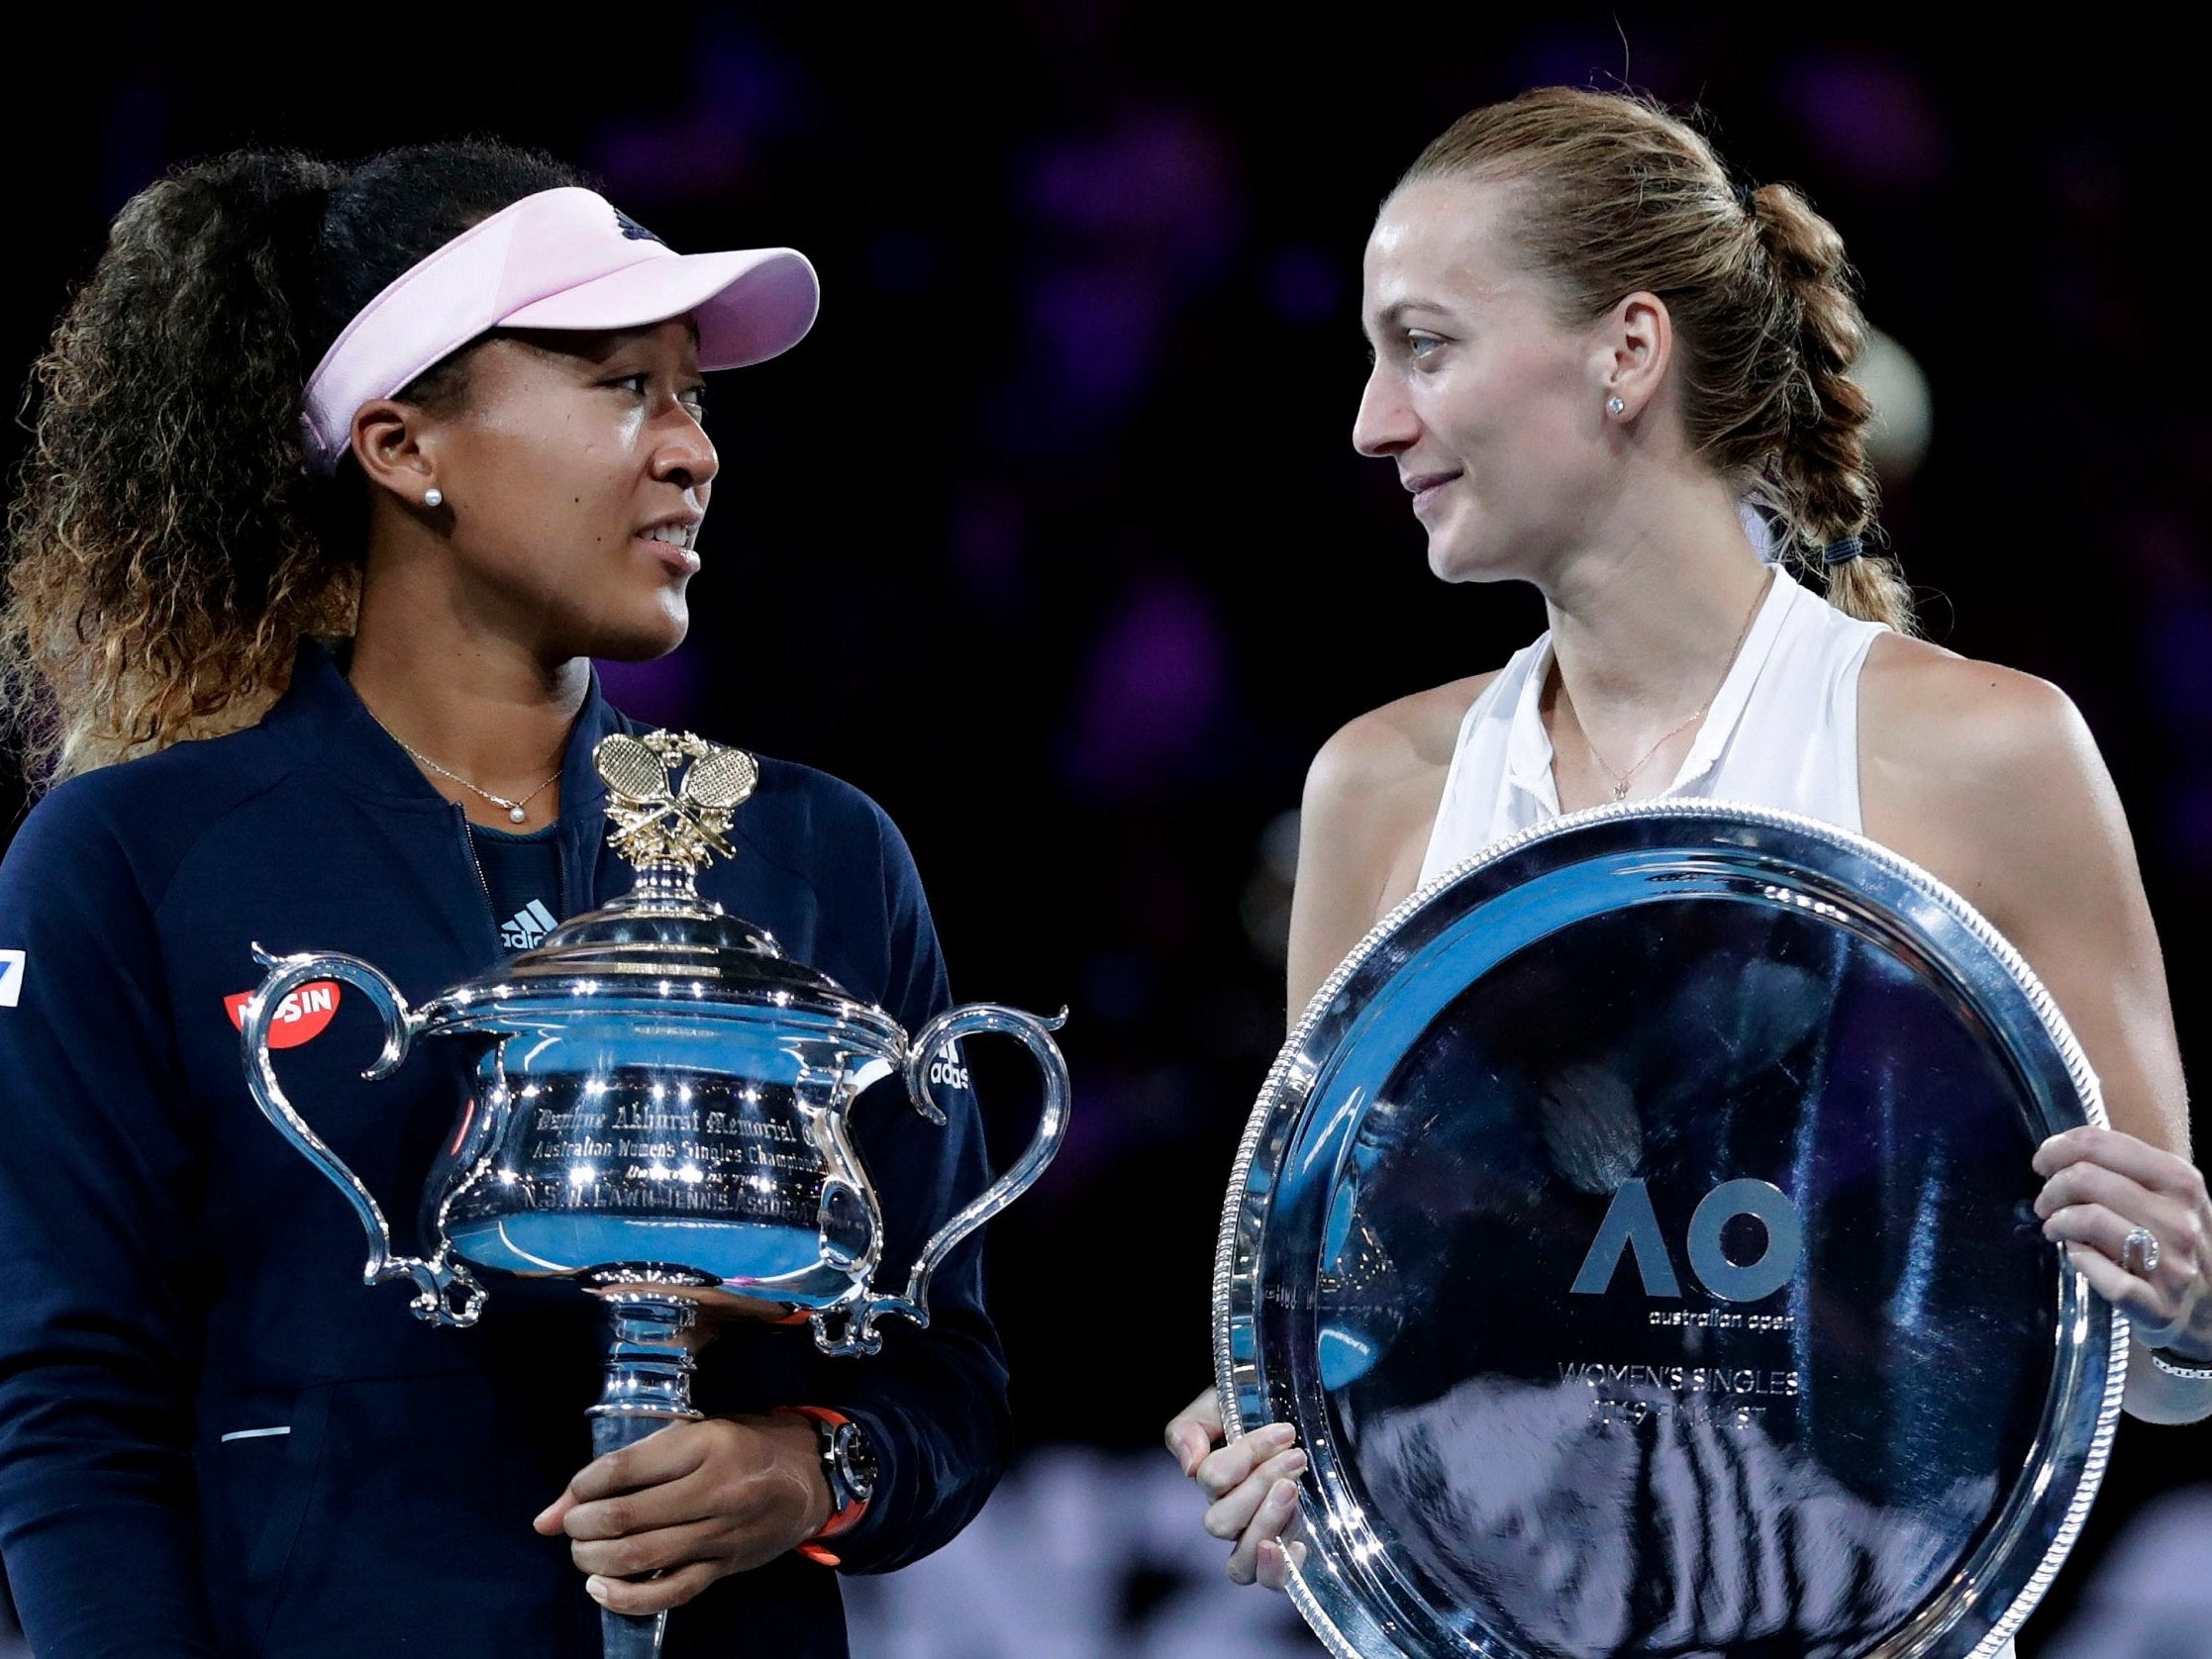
{"points": [[11, 977], [300, 1017]]}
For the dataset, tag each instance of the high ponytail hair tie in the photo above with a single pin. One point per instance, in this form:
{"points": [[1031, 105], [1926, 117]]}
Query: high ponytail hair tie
{"points": [[1842, 552], [1747, 198]]}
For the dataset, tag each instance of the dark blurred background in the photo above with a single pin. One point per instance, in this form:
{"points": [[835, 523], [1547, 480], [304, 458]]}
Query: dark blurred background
{"points": [[1051, 539]]}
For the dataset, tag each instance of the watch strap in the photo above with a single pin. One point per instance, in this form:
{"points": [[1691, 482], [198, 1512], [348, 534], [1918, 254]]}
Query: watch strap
{"points": [[845, 1519]]}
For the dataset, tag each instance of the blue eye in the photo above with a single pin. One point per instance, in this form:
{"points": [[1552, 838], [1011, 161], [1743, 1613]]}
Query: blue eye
{"points": [[1418, 344]]}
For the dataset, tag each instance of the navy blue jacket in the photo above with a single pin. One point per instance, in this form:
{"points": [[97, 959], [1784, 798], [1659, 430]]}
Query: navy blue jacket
{"points": [[174, 1276]]}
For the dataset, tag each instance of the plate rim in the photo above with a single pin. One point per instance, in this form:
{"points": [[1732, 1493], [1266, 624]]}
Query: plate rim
{"points": [[1293, 1056]]}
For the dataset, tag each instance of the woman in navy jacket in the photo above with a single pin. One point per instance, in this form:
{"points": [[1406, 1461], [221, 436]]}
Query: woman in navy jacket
{"points": [[340, 478]]}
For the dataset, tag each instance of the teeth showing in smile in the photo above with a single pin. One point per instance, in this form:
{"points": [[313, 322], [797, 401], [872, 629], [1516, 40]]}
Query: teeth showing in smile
{"points": [[677, 536]]}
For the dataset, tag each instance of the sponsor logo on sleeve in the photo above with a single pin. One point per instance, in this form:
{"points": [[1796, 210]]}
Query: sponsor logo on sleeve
{"points": [[11, 977], [300, 1017], [946, 1069]]}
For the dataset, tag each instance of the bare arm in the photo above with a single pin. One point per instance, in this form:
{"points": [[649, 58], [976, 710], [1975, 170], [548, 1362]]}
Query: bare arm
{"points": [[1370, 797], [1991, 779]]}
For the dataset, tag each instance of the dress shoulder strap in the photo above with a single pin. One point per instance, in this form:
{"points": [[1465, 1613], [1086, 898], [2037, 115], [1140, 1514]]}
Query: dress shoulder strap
{"points": [[1492, 760]]}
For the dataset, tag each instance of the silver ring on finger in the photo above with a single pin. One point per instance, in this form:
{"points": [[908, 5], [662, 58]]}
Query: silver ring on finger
{"points": [[2138, 1255]]}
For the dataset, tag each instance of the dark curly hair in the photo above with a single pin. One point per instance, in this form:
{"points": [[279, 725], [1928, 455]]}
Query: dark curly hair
{"points": [[1619, 196], [166, 552]]}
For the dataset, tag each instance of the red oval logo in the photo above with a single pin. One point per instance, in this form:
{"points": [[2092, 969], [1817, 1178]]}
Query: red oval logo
{"points": [[299, 1017]]}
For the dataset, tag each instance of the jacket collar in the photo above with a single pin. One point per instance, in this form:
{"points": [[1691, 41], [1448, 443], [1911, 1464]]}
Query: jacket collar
{"points": [[325, 723]]}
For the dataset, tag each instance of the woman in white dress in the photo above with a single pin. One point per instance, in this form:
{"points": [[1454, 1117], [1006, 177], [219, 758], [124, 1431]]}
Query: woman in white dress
{"points": [[1591, 350]]}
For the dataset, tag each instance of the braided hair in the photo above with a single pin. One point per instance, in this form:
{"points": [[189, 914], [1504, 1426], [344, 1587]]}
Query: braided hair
{"points": [[1618, 195]]}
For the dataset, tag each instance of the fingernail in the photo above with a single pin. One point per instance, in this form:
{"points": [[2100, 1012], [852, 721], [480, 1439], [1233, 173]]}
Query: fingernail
{"points": [[1278, 1434], [1294, 1463], [597, 1589], [539, 1519], [1284, 1492]]}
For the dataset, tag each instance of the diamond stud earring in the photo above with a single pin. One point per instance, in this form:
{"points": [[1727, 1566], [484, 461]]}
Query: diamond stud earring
{"points": [[1613, 406], [436, 498]]}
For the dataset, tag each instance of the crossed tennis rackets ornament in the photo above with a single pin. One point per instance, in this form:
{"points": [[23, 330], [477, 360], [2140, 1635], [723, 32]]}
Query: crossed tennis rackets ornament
{"points": [[684, 825]]}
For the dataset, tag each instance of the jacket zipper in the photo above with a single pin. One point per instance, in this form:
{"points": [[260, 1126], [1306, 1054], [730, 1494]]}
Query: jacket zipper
{"points": [[468, 849]]}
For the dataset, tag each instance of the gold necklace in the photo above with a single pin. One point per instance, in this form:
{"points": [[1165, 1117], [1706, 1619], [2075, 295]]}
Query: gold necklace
{"points": [[516, 810], [1622, 780]]}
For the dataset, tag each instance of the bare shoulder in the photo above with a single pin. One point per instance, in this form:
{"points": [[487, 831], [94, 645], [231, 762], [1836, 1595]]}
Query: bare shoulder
{"points": [[1974, 770], [1981, 737], [1404, 743], [1370, 797], [1991, 779]]}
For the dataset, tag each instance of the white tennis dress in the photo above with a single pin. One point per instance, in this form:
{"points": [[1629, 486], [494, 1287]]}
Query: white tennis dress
{"points": [[1783, 732]]}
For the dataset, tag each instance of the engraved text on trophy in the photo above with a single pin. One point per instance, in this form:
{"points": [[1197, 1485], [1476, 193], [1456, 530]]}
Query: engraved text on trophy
{"points": [[708, 1147]]}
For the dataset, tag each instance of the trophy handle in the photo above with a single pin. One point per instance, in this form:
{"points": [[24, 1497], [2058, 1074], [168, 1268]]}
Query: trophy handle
{"points": [[445, 1292], [859, 1334]]}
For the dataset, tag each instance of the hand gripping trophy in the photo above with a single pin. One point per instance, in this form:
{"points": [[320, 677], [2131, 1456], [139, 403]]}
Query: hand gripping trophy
{"points": [[653, 1104]]}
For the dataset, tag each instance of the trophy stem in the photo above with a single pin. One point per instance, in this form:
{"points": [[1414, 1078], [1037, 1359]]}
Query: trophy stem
{"points": [[649, 1386], [666, 881]]}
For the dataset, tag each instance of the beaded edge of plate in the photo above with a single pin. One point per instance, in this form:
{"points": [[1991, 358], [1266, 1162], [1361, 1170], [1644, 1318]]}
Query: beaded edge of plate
{"points": [[2040, 1000]]}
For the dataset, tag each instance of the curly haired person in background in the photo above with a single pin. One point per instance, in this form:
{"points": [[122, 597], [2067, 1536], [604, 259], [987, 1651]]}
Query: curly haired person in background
{"points": [[1593, 352], [339, 477]]}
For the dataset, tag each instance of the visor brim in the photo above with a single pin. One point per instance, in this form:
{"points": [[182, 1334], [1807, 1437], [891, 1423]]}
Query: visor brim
{"points": [[750, 305]]}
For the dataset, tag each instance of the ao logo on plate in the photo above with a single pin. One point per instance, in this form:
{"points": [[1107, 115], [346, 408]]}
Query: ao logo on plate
{"points": [[1631, 1227]]}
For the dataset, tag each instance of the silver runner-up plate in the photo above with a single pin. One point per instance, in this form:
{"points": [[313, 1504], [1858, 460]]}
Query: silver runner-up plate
{"points": [[1638, 1228]]}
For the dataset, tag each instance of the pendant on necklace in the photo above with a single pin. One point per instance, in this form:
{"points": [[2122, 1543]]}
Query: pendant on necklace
{"points": [[1620, 792], [517, 814]]}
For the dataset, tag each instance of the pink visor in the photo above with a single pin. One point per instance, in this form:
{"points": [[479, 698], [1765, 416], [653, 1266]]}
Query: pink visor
{"points": [[558, 259]]}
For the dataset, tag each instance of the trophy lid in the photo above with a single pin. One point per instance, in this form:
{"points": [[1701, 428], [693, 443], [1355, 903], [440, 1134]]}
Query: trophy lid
{"points": [[663, 941]]}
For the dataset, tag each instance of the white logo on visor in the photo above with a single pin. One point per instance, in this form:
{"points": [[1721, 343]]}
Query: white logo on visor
{"points": [[11, 977]]}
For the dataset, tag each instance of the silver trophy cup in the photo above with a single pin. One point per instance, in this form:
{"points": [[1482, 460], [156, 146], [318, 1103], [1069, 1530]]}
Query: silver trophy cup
{"points": [[654, 1106]]}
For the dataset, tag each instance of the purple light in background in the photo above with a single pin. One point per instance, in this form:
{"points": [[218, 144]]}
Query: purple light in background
{"points": [[1156, 183], [985, 547], [1099, 327], [133, 133], [745, 93], [1152, 688], [1130, 218], [666, 692], [1871, 117], [2165, 559], [1306, 286]]}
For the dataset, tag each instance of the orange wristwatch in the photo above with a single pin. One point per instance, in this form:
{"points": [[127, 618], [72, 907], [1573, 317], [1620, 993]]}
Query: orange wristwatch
{"points": [[847, 1465]]}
